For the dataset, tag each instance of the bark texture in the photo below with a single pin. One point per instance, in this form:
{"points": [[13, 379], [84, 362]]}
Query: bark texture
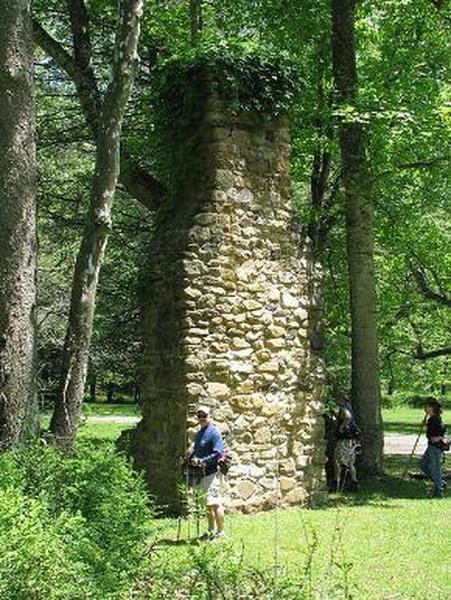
{"points": [[66, 416], [360, 243], [17, 224]]}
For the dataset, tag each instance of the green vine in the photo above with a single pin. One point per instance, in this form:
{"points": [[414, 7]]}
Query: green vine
{"points": [[253, 80]]}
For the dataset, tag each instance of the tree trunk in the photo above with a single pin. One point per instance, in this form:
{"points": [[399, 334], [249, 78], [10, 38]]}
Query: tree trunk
{"points": [[360, 243], [136, 392], [93, 390], [195, 13], [18, 411], [67, 413], [110, 393]]}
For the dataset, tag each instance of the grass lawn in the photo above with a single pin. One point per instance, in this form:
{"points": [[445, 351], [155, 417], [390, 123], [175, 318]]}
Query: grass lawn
{"points": [[105, 430], [103, 409], [403, 420], [400, 421], [389, 541], [102, 431]]}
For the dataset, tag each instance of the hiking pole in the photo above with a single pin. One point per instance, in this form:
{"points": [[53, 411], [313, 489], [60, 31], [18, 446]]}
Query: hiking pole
{"points": [[182, 502], [414, 448], [197, 499], [197, 509]]}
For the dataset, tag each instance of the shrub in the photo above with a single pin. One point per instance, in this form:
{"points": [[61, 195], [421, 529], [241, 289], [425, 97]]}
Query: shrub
{"points": [[100, 500], [40, 555]]}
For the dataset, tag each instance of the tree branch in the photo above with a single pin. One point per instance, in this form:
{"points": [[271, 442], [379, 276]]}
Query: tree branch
{"points": [[416, 164], [140, 184], [421, 355], [86, 84], [55, 50], [124, 62], [424, 288]]}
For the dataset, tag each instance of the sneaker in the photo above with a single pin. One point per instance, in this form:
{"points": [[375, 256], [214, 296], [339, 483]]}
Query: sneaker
{"points": [[219, 536], [208, 535]]}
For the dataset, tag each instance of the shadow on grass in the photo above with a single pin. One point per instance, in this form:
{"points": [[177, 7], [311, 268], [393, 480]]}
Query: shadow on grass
{"points": [[180, 542], [401, 428], [380, 490]]}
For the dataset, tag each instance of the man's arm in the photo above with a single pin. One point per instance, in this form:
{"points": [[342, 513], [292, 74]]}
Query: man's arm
{"points": [[217, 449]]}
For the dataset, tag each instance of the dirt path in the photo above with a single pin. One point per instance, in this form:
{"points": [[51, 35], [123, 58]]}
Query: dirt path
{"points": [[116, 419], [394, 444], [403, 444]]}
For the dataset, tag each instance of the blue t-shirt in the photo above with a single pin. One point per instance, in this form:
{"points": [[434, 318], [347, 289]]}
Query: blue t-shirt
{"points": [[208, 446]]}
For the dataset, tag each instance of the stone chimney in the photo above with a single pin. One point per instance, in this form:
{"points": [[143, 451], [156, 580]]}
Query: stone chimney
{"points": [[228, 321]]}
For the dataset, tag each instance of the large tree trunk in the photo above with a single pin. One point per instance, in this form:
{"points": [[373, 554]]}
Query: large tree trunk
{"points": [[17, 224], [360, 243], [66, 416]]}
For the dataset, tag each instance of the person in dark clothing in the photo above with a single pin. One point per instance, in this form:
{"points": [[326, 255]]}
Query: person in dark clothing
{"points": [[208, 448], [346, 427], [345, 450], [432, 459], [331, 442]]}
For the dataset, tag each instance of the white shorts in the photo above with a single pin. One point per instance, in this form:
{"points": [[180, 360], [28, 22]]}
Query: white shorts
{"points": [[212, 486]]}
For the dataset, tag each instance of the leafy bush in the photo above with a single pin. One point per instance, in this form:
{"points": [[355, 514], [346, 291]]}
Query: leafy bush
{"points": [[89, 511], [41, 556], [78, 528]]}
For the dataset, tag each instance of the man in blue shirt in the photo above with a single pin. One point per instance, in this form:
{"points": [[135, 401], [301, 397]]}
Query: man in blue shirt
{"points": [[208, 447]]}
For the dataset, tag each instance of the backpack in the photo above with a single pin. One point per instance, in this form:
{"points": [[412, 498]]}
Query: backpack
{"points": [[354, 431], [225, 461], [443, 444]]}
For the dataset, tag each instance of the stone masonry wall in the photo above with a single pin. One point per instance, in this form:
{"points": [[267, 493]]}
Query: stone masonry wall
{"points": [[230, 305]]}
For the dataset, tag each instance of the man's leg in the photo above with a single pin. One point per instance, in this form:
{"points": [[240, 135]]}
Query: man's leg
{"points": [[211, 519], [205, 485], [219, 517], [425, 463], [353, 474], [215, 506], [435, 465]]}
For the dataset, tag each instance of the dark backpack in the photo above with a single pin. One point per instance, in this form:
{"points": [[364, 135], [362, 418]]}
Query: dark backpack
{"points": [[225, 461]]}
